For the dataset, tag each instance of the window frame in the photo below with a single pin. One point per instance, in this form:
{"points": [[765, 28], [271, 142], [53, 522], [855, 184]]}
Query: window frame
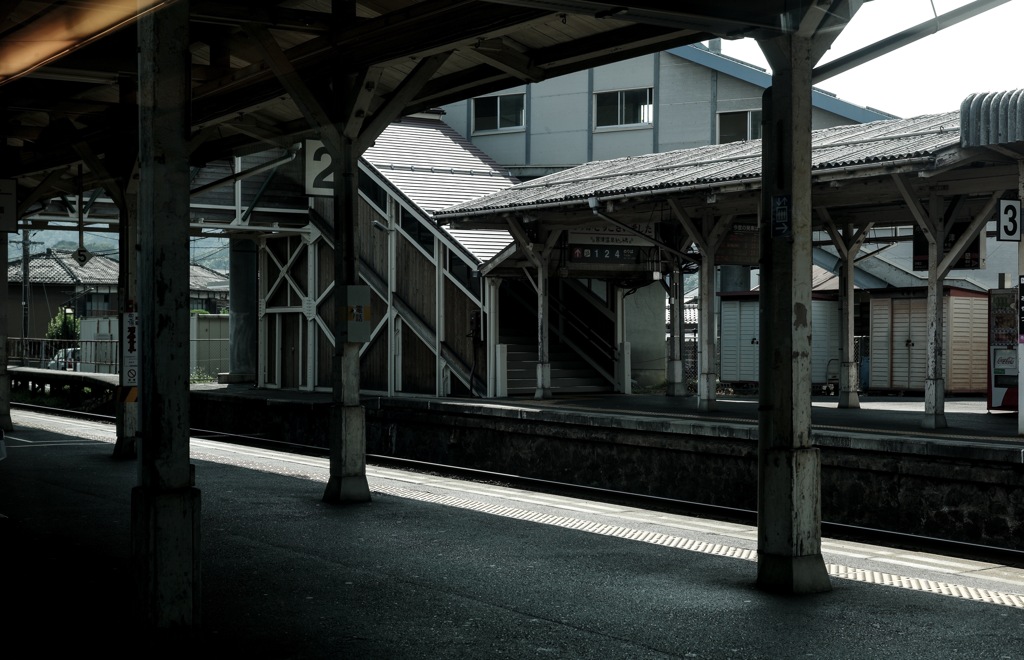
{"points": [[620, 109], [751, 124], [521, 126]]}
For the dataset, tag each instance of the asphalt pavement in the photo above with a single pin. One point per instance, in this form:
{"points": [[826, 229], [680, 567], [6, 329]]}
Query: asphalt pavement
{"points": [[412, 575]]}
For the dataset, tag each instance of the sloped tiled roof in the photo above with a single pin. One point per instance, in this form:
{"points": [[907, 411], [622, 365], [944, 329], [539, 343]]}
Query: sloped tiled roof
{"points": [[433, 165], [889, 141], [202, 278], [60, 267]]}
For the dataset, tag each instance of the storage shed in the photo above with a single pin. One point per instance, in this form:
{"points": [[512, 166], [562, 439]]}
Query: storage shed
{"points": [[739, 342], [899, 340]]}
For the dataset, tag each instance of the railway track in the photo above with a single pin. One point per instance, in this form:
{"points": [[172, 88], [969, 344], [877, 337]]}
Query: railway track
{"points": [[889, 538]]}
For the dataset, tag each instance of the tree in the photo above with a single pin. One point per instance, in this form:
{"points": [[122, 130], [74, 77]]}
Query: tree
{"points": [[65, 325]]}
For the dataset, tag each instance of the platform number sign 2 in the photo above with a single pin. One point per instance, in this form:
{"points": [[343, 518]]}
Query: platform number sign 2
{"points": [[319, 177], [1009, 220]]}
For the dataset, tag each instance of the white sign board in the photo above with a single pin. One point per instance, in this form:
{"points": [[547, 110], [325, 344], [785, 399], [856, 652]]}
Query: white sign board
{"points": [[611, 235], [1009, 220], [130, 362]]}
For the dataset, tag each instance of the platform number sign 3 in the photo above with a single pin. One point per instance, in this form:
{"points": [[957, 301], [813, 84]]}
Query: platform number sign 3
{"points": [[1009, 220]]}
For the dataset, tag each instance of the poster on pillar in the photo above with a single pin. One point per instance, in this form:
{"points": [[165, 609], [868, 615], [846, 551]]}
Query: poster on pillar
{"points": [[973, 257]]}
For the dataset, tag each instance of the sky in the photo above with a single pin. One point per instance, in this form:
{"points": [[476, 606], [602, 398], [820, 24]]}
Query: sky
{"points": [[981, 54]]}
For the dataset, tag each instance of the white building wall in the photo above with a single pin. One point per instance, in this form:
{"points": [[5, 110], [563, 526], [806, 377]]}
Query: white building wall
{"points": [[646, 339], [559, 121], [684, 95]]}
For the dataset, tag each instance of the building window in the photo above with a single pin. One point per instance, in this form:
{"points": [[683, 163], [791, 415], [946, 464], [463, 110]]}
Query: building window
{"points": [[412, 225], [627, 107], [373, 191], [498, 113], [739, 126]]}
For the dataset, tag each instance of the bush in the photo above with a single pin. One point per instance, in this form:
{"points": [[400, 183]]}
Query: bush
{"points": [[64, 326]]}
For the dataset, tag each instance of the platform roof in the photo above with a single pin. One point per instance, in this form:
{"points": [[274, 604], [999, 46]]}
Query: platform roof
{"points": [[69, 99], [876, 175], [852, 168]]}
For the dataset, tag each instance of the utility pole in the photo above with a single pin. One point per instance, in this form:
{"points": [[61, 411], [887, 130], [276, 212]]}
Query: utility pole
{"points": [[26, 287], [24, 294]]}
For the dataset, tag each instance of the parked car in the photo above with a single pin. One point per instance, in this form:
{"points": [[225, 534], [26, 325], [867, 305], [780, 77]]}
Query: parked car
{"points": [[66, 359]]}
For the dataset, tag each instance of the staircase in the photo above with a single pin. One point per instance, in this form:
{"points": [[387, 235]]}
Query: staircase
{"points": [[570, 374]]}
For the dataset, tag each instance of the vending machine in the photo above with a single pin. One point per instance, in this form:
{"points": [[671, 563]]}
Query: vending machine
{"points": [[1003, 319]]}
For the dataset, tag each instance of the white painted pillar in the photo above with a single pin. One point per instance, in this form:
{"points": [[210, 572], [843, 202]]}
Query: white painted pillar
{"points": [[674, 375]]}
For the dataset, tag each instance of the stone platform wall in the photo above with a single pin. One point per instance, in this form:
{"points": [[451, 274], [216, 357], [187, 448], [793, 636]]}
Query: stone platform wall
{"points": [[938, 488]]}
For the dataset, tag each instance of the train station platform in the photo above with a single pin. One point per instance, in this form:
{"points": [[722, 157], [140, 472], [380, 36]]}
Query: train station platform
{"points": [[434, 568]]}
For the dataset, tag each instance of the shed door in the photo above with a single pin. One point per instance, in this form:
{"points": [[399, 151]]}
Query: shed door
{"points": [[909, 343], [739, 343], [879, 374]]}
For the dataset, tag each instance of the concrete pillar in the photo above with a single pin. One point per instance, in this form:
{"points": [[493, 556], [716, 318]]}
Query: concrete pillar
{"points": [[243, 322], [543, 390], [347, 481], [789, 510], [675, 376], [165, 504], [849, 397]]}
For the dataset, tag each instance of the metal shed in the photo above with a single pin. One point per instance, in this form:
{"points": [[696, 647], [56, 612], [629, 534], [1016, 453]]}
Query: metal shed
{"points": [[899, 341], [739, 342]]}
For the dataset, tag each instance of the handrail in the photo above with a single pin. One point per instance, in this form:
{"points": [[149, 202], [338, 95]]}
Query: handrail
{"points": [[605, 349], [208, 356]]}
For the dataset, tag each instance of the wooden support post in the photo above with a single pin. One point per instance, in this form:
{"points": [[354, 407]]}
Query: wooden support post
{"points": [[543, 390], [675, 376], [789, 500], [935, 384], [165, 504]]}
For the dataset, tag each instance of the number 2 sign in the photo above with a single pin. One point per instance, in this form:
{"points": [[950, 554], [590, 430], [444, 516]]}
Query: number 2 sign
{"points": [[1009, 220], [319, 178]]}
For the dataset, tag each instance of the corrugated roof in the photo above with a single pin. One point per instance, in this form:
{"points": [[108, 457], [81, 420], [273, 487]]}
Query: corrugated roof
{"points": [[713, 165], [992, 119], [433, 165], [483, 244]]}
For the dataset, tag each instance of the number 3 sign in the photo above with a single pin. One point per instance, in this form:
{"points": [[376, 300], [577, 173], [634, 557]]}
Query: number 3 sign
{"points": [[1009, 220]]}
